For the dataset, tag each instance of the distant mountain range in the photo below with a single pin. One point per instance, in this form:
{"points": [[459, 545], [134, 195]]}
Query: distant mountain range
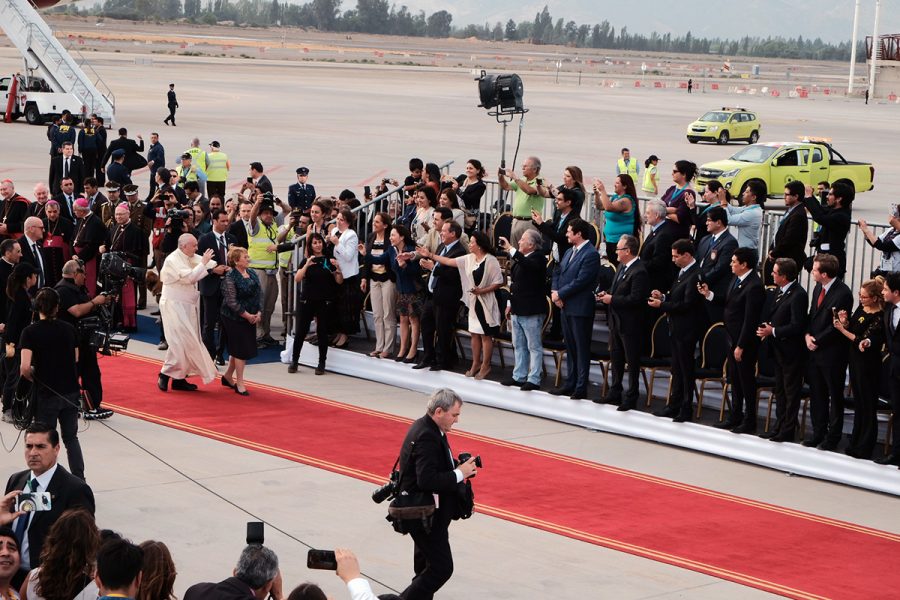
{"points": [[729, 20]]}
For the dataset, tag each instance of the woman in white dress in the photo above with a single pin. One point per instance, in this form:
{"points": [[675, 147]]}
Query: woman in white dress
{"points": [[480, 274]]}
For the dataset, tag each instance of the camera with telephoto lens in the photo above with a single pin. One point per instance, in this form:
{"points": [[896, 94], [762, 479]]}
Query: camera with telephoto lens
{"points": [[388, 490], [179, 213]]}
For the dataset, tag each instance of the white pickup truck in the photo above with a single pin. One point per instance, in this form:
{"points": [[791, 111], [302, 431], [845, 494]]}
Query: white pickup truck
{"points": [[36, 101]]}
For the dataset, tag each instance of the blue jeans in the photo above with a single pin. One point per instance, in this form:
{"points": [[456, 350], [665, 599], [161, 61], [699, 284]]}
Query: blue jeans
{"points": [[526, 340]]}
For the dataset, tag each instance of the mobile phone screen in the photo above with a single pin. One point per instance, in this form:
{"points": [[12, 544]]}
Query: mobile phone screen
{"points": [[255, 533], [321, 559]]}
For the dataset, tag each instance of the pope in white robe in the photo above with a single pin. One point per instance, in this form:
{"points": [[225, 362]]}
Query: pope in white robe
{"points": [[179, 307]]}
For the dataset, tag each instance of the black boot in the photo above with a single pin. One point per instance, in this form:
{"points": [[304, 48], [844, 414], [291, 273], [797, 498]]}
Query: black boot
{"points": [[183, 385], [162, 382]]}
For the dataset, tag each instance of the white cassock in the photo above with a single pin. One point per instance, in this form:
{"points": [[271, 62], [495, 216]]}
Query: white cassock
{"points": [[179, 307]]}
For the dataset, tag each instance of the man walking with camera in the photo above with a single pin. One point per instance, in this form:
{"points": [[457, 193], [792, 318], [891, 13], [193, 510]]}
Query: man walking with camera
{"points": [[427, 469], [74, 305]]}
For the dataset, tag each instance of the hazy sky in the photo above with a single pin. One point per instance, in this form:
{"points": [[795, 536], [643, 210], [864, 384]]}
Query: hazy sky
{"points": [[828, 19]]}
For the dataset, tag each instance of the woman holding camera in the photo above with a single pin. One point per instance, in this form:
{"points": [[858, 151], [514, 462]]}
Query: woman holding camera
{"points": [[379, 280], [470, 188], [346, 252], [481, 277], [241, 311], [622, 214], [320, 279]]}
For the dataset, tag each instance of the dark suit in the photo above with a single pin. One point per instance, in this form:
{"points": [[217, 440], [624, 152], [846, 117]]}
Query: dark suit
{"points": [[264, 185], [743, 307], [714, 257], [574, 281], [555, 231], [787, 314], [238, 231], [828, 363], [789, 241], [119, 173], [627, 315], [892, 343], [440, 312], [529, 275], [211, 288], [229, 589], [133, 159], [832, 237], [687, 320], [58, 172], [301, 196], [29, 257], [65, 210], [656, 255], [66, 491], [156, 154], [426, 466]]}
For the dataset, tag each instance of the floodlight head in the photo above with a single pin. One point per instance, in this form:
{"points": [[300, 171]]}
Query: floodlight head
{"points": [[504, 91]]}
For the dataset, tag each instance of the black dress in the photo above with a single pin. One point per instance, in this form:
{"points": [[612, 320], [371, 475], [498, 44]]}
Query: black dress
{"points": [[477, 276], [318, 292], [865, 376], [240, 294]]}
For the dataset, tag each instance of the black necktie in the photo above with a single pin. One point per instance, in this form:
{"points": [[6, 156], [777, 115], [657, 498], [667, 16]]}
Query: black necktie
{"points": [[66, 169], [22, 522], [222, 248], [39, 263]]}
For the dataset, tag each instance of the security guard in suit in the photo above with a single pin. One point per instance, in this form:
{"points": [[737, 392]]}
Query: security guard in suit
{"points": [[301, 194]]}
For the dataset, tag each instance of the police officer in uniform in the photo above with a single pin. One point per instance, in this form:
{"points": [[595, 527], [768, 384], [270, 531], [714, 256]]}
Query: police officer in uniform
{"points": [[301, 194], [172, 103]]}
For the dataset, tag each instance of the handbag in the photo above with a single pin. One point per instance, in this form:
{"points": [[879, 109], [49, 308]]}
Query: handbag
{"points": [[409, 512]]}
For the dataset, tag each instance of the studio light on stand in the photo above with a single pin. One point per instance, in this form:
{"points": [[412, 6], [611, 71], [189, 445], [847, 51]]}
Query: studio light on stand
{"points": [[502, 96]]}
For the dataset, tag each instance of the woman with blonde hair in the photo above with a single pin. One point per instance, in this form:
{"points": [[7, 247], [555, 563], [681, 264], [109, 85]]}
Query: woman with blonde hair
{"points": [[157, 572], [865, 329], [480, 274], [241, 311]]}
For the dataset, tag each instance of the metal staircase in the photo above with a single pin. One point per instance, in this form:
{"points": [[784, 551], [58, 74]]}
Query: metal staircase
{"points": [[42, 51]]}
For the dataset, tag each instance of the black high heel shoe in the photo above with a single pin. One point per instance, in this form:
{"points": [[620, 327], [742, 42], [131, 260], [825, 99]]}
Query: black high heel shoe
{"points": [[240, 393], [226, 383]]}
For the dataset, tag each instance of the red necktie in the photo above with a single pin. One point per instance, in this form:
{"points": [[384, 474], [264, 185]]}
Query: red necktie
{"points": [[821, 298]]}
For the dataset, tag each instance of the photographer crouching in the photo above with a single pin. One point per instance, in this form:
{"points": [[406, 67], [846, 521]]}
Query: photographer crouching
{"points": [[48, 359], [75, 308], [433, 486]]}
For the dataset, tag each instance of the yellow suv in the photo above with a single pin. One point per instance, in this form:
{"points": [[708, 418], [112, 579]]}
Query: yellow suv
{"points": [[723, 126]]}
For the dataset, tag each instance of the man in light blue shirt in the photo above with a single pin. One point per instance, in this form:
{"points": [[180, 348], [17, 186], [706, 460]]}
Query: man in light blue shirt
{"points": [[746, 220]]}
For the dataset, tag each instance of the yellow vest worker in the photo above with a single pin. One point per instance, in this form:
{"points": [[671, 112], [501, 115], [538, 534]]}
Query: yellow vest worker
{"points": [[198, 157], [631, 168]]}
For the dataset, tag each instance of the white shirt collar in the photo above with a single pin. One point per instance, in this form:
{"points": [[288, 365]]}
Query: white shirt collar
{"points": [[581, 245], [827, 286], [44, 478], [691, 264], [786, 287], [741, 278], [630, 262]]}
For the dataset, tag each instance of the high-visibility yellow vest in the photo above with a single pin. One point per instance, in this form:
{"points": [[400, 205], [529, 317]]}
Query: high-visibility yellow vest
{"points": [[284, 258], [198, 157], [648, 180], [191, 174], [260, 257], [630, 169], [217, 167]]}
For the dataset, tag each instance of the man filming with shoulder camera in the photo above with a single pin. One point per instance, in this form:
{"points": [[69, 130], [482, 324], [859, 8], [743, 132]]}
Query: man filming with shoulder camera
{"points": [[74, 305], [427, 465]]}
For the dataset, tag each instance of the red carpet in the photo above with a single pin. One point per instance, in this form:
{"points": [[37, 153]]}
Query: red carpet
{"points": [[776, 549]]}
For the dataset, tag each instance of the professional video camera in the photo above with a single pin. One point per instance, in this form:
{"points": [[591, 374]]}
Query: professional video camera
{"points": [[179, 213], [97, 330]]}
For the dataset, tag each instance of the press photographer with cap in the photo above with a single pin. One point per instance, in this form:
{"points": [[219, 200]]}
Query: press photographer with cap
{"points": [[75, 304], [301, 194]]}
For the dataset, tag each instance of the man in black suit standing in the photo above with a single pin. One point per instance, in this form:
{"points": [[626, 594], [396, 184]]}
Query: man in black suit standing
{"points": [[32, 253], [790, 235], [829, 353], [572, 290], [835, 219], [258, 180], [743, 306], [891, 294], [44, 474], [528, 309], [427, 469], [133, 159], [238, 229], [444, 292], [172, 104], [627, 302], [66, 165], [656, 251], [687, 320], [219, 241], [714, 253], [783, 328]]}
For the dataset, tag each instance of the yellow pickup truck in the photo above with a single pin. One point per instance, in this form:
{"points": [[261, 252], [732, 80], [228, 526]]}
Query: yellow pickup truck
{"points": [[777, 163]]}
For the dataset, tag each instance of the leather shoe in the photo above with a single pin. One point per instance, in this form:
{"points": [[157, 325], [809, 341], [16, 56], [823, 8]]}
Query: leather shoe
{"points": [[669, 412], [512, 382], [226, 383], [728, 423], [183, 385], [528, 386], [578, 396], [292, 368], [421, 365], [890, 459], [745, 428], [625, 406], [784, 436], [768, 435], [162, 382], [683, 417], [828, 445], [562, 391], [813, 442], [435, 368], [220, 360]]}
